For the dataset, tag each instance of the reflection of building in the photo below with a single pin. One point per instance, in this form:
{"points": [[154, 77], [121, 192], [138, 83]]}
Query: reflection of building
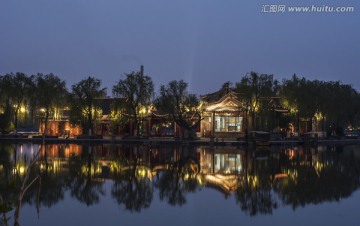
{"points": [[223, 114], [222, 169]]}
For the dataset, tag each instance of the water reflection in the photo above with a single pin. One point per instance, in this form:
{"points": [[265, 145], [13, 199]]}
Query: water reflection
{"points": [[259, 180]]}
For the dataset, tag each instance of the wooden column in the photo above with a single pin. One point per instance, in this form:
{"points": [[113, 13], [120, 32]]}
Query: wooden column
{"points": [[131, 128], [213, 123]]}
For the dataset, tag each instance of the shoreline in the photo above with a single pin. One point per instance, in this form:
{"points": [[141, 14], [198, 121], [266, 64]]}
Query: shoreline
{"points": [[171, 140]]}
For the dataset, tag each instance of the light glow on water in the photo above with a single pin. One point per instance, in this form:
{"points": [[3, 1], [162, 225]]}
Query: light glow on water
{"points": [[133, 185]]}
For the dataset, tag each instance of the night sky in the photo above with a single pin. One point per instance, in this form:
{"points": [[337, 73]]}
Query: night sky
{"points": [[204, 42]]}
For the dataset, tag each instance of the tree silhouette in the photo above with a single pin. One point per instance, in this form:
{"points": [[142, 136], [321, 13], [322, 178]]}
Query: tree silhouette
{"points": [[84, 99]]}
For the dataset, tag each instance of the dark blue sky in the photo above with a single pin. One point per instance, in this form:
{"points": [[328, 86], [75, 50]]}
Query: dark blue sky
{"points": [[204, 42]]}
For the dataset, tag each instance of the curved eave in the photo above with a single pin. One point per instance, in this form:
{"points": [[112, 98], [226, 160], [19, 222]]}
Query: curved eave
{"points": [[222, 109]]}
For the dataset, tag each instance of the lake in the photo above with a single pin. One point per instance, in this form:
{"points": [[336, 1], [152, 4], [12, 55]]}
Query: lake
{"points": [[113, 184]]}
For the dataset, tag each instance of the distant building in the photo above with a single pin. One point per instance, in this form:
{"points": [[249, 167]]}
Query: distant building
{"points": [[59, 124], [223, 114]]}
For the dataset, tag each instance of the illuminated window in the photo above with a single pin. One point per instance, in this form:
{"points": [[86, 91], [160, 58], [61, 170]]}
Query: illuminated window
{"points": [[228, 123]]}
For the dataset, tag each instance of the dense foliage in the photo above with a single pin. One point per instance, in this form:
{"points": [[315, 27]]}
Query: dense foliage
{"points": [[84, 100], [183, 107], [137, 89], [317, 105]]}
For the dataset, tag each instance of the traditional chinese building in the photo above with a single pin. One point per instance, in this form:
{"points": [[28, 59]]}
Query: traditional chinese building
{"points": [[223, 114], [270, 117], [59, 124]]}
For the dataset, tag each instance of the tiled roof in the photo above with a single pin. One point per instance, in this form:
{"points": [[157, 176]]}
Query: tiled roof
{"points": [[105, 104], [216, 96]]}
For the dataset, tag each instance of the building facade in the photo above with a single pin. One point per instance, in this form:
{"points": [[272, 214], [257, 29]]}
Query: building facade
{"points": [[223, 115]]}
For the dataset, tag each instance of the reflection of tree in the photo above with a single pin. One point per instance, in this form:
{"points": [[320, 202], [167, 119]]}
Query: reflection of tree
{"points": [[52, 184], [26, 173], [81, 182], [52, 189], [7, 195], [255, 200], [171, 188], [255, 194], [174, 183], [134, 193], [5, 173], [332, 177], [132, 187], [305, 176]]}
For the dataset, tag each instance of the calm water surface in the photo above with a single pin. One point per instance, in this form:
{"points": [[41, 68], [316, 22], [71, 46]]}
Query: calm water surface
{"points": [[171, 185]]}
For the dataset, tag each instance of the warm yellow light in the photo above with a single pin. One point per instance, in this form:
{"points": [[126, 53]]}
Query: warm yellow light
{"points": [[55, 165], [98, 170], [186, 177], [143, 111], [84, 170], [318, 116], [293, 110], [21, 170], [142, 172]]}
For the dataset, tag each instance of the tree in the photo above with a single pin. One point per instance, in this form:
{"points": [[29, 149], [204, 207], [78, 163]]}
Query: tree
{"points": [[334, 104], [183, 107], [253, 87], [118, 114], [138, 89], [21, 87], [16, 89], [50, 94], [84, 98]]}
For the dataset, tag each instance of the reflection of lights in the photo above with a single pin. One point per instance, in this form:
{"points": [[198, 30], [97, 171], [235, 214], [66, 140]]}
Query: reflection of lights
{"points": [[141, 172], [144, 172], [98, 170], [56, 165], [67, 152], [114, 167], [199, 179], [252, 181], [186, 176], [291, 153], [84, 170], [281, 175], [226, 182], [293, 174], [93, 170], [21, 170], [319, 166]]}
